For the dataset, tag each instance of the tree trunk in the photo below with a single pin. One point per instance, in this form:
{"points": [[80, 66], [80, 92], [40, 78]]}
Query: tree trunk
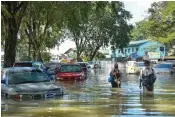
{"points": [[94, 53], [10, 42]]}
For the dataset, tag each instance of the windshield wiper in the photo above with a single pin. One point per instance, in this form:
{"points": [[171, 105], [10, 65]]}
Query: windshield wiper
{"points": [[25, 82], [43, 81], [32, 81]]}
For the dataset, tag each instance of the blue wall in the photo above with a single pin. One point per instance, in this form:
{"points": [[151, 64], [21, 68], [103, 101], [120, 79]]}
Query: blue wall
{"points": [[149, 46]]}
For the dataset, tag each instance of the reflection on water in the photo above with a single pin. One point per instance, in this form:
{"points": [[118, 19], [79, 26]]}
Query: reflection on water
{"points": [[95, 98]]}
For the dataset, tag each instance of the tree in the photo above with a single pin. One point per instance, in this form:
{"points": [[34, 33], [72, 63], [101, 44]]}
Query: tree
{"points": [[12, 14], [162, 22], [107, 22], [140, 30], [43, 26]]}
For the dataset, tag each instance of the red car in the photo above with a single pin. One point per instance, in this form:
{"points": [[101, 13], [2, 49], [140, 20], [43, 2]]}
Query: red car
{"points": [[70, 72]]}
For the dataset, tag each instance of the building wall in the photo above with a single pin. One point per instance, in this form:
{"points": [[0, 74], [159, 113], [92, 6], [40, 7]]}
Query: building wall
{"points": [[148, 46], [152, 47]]}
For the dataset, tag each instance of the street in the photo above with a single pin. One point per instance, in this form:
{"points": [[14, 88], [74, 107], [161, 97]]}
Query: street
{"points": [[95, 97]]}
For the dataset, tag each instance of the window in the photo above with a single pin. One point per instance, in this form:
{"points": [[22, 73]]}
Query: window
{"points": [[137, 49], [125, 50], [161, 48], [128, 50], [164, 66], [70, 68]]}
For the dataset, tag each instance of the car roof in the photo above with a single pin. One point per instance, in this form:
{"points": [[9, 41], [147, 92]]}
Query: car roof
{"points": [[20, 68], [70, 64], [28, 62], [140, 62], [167, 63]]}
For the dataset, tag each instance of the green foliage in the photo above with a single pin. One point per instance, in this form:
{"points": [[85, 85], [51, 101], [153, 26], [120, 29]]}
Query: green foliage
{"points": [[162, 21], [100, 56], [46, 56], [160, 24], [107, 23], [140, 30]]}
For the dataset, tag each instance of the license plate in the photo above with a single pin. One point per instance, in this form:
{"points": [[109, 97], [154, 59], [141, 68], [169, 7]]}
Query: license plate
{"points": [[50, 94], [27, 97]]}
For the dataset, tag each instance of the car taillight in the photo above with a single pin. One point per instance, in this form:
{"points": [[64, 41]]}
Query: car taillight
{"points": [[16, 97]]}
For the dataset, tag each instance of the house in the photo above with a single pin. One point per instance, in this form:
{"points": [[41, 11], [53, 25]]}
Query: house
{"points": [[154, 49], [70, 52]]}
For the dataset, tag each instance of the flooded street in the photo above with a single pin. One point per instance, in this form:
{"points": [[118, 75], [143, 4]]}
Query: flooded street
{"points": [[94, 97]]}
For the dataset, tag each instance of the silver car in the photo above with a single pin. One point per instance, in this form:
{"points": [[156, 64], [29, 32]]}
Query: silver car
{"points": [[165, 67], [25, 83]]}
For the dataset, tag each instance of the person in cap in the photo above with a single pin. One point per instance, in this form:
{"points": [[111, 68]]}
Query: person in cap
{"points": [[146, 57], [147, 77], [116, 76]]}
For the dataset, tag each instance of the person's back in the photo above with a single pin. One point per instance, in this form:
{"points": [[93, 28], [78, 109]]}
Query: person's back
{"points": [[116, 76], [147, 77]]}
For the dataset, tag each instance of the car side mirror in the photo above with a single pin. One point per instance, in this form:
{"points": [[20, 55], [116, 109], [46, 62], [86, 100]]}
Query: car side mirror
{"points": [[57, 69], [3, 81], [82, 69]]}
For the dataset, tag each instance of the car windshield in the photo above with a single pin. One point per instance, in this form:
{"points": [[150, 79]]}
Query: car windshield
{"points": [[140, 64], [26, 76], [82, 64], [70, 68], [164, 66]]}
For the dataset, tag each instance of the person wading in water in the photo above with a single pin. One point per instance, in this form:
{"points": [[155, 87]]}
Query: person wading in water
{"points": [[147, 77], [115, 75]]}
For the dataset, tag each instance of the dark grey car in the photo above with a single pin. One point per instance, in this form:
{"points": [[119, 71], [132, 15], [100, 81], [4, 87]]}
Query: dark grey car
{"points": [[24, 83], [165, 67]]}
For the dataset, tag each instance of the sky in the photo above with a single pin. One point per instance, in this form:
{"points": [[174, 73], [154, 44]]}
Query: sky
{"points": [[137, 8]]}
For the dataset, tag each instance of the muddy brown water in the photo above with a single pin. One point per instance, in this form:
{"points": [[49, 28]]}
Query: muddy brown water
{"points": [[94, 97]]}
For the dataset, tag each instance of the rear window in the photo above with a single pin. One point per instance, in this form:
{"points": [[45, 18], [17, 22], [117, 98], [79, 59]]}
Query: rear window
{"points": [[70, 68], [23, 65], [82, 64], [53, 66], [164, 66]]}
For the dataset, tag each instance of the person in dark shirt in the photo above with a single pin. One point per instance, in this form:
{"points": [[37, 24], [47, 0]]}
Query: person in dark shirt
{"points": [[147, 77], [116, 76]]}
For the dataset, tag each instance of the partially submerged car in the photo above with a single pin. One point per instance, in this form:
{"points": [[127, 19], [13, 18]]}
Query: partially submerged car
{"points": [[70, 72], [165, 68], [25, 83]]}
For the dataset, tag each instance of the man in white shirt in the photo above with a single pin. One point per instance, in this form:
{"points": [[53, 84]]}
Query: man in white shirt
{"points": [[146, 57]]}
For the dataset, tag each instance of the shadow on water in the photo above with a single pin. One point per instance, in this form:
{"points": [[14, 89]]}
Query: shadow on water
{"points": [[94, 97]]}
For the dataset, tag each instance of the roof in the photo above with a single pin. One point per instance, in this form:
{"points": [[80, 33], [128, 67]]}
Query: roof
{"points": [[27, 62], [137, 43], [19, 68], [69, 50]]}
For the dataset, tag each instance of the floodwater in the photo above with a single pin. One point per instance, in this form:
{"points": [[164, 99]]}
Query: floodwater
{"points": [[94, 97]]}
